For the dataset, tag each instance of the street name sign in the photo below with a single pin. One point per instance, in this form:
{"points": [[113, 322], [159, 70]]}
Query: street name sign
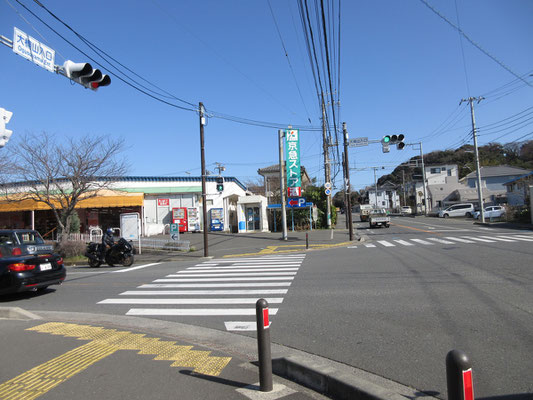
{"points": [[33, 50], [358, 142]]}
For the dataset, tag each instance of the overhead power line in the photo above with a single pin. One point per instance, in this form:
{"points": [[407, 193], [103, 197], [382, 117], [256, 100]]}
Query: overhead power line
{"points": [[501, 64], [141, 88], [288, 60]]}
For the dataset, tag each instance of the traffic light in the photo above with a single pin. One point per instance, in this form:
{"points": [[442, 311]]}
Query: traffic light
{"points": [[385, 144], [84, 74], [392, 139], [399, 142], [220, 184], [5, 134]]}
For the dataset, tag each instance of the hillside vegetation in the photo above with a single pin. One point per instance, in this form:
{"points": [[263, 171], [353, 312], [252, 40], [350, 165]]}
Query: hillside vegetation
{"points": [[512, 154]]}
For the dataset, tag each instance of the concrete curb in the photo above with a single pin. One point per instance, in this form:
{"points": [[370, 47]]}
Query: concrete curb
{"points": [[327, 380], [328, 377]]}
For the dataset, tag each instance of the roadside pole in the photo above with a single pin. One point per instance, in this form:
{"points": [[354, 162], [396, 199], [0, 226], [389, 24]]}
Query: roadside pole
{"points": [[204, 196], [327, 170], [281, 134], [347, 181], [424, 181], [478, 170]]}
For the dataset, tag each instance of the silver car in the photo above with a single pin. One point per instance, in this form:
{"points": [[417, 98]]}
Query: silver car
{"points": [[490, 212]]}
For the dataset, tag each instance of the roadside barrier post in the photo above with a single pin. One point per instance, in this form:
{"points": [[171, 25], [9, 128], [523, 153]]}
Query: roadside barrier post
{"points": [[459, 376], [306, 241], [263, 345]]}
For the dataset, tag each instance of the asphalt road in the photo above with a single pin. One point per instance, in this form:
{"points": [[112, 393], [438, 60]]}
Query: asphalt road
{"points": [[393, 303]]}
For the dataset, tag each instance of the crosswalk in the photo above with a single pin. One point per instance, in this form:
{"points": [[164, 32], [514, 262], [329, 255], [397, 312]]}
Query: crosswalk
{"points": [[216, 288], [447, 240]]}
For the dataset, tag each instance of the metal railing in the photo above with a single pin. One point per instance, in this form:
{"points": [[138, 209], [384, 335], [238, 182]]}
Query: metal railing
{"points": [[164, 244], [146, 243]]}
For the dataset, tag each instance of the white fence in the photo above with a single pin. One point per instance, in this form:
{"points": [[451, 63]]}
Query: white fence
{"points": [[146, 243]]}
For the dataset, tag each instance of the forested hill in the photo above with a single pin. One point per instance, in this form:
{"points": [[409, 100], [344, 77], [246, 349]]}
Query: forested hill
{"points": [[512, 154]]}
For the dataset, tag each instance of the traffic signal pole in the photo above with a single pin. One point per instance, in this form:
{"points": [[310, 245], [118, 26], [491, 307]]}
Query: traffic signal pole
{"points": [[204, 195]]}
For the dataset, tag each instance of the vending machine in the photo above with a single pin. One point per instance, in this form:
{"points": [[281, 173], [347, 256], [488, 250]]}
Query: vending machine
{"points": [[193, 217], [216, 219], [179, 216]]}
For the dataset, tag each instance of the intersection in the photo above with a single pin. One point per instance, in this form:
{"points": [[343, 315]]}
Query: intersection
{"points": [[392, 303]]}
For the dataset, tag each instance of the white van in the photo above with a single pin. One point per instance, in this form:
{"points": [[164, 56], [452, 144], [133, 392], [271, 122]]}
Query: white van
{"points": [[457, 210]]}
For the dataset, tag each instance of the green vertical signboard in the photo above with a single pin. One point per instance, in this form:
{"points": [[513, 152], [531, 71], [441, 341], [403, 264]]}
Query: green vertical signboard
{"points": [[292, 153]]}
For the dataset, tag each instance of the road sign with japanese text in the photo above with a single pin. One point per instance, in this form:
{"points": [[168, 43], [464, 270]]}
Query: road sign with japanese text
{"points": [[33, 50], [358, 142]]}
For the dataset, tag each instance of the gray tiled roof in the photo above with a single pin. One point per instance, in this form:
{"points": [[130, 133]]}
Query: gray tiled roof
{"points": [[499, 170]]}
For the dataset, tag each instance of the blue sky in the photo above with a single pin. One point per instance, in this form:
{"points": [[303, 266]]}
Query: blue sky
{"points": [[402, 70]]}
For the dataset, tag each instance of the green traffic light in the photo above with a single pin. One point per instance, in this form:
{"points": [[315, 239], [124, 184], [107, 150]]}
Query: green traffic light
{"points": [[386, 139]]}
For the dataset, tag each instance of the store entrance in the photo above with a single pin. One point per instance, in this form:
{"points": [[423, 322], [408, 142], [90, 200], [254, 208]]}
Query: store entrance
{"points": [[252, 219]]}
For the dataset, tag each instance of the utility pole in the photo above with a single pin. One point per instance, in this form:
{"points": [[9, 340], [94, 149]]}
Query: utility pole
{"points": [[478, 170], [375, 188], [221, 168], [423, 177], [204, 195], [327, 170], [403, 187], [424, 180], [281, 134], [347, 182]]}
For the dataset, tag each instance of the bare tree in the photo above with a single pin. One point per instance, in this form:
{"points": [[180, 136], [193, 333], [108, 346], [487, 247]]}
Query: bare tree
{"points": [[62, 174]]}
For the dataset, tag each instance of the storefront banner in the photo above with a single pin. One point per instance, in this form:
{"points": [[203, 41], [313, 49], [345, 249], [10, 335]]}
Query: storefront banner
{"points": [[292, 152]]}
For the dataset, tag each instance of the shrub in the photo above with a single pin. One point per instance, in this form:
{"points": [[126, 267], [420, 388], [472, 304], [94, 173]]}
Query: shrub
{"points": [[69, 249]]}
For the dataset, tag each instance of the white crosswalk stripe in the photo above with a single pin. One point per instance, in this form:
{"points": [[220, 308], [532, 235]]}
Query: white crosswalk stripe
{"points": [[221, 300], [527, 239], [458, 239], [441, 241], [222, 285], [479, 239], [497, 238], [448, 240], [385, 243], [421, 241], [403, 242]]}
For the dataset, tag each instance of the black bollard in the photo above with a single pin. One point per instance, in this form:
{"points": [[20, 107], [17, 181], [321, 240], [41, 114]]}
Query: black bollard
{"points": [[459, 376], [306, 240], [263, 345]]}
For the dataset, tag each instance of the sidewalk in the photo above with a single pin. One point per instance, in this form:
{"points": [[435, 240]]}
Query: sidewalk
{"points": [[221, 244], [98, 356]]}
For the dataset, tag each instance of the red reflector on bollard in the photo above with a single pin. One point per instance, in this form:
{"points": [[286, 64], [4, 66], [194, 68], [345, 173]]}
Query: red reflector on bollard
{"points": [[468, 385], [265, 318]]}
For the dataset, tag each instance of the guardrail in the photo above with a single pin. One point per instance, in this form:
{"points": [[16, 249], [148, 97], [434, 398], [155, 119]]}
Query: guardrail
{"points": [[164, 244]]}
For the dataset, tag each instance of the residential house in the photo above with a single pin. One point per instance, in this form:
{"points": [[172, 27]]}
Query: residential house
{"points": [[493, 180], [271, 180], [385, 197], [518, 189]]}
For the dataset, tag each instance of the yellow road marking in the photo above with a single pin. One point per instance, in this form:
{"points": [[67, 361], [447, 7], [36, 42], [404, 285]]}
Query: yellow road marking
{"points": [[103, 342], [287, 248], [415, 229]]}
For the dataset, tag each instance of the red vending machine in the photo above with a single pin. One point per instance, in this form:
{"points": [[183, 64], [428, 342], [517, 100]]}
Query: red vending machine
{"points": [[179, 216]]}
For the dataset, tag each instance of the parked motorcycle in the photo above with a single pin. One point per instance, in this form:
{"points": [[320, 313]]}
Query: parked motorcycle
{"points": [[120, 253]]}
